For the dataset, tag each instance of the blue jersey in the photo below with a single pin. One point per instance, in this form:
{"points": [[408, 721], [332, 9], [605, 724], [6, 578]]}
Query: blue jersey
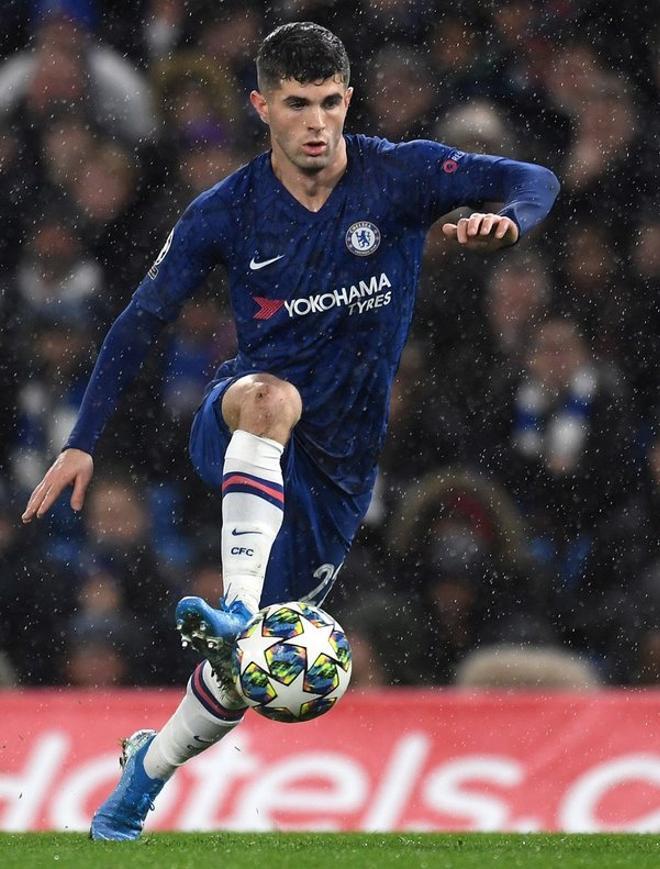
{"points": [[325, 299]]}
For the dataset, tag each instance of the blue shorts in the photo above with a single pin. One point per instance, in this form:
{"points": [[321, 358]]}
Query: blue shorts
{"points": [[320, 519]]}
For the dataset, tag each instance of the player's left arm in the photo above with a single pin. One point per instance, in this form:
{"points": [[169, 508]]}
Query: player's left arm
{"points": [[483, 232], [446, 179], [527, 192]]}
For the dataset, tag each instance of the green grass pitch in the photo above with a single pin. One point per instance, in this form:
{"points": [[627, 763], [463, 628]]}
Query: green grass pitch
{"points": [[339, 851]]}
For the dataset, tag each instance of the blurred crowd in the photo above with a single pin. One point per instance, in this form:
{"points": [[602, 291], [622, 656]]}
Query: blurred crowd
{"points": [[514, 535]]}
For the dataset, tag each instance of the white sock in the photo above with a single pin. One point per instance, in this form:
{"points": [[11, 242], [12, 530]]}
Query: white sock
{"points": [[202, 718], [252, 513]]}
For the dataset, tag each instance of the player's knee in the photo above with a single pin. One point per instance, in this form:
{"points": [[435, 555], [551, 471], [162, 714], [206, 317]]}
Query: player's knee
{"points": [[274, 398], [262, 403]]}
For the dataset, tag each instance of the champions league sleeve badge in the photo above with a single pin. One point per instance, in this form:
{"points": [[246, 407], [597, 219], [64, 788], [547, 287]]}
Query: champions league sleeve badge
{"points": [[363, 238], [153, 271]]}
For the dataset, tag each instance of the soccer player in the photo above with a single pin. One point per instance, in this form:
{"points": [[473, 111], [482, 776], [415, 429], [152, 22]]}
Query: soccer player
{"points": [[322, 238]]}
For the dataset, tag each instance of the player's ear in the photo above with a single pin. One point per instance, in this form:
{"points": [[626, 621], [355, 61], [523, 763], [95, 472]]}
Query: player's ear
{"points": [[260, 105], [348, 96]]}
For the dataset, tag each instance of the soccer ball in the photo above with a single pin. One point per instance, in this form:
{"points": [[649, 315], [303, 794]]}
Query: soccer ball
{"points": [[291, 662]]}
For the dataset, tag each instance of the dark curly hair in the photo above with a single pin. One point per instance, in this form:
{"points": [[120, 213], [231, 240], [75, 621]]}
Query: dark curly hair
{"points": [[303, 51]]}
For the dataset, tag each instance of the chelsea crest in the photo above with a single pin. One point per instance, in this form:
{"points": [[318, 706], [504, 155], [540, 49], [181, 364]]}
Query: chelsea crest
{"points": [[362, 238]]}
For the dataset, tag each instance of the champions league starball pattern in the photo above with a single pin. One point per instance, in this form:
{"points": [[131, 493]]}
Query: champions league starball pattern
{"points": [[292, 662]]}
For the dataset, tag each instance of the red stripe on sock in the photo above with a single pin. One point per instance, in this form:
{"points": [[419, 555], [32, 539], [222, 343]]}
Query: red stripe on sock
{"points": [[237, 479], [217, 707]]}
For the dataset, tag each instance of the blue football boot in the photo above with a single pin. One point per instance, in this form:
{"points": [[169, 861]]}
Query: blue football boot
{"points": [[210, 630], [122, 815], [211, 633]]}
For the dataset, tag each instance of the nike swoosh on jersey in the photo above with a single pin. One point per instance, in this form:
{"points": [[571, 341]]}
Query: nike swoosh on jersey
{"points": [[255, 266], [236, 533]]}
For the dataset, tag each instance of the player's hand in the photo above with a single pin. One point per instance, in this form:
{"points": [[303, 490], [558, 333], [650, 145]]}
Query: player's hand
{"points": [[482, 232], [72, 467]]}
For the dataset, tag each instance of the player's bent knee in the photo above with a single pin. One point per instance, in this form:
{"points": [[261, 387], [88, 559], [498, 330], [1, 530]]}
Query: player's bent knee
{"points": [[263, 404], [273, 399]]}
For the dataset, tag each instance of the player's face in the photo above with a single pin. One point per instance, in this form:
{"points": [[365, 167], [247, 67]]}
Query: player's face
{"points": [[306, 121]]}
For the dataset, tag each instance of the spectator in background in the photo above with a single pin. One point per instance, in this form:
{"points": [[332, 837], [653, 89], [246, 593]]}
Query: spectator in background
{"points": [[460, 65], [593, 291], [198, 95], [202, 163], [463, 547], [7, 673], [57, 280], [65, 145], [601, 108], [561, 452], [488, 357], [522, 43], [17, 186], [117, 524], [455, 613], [642, 352], [382, 654], [367, 662], [605, 128], [67, 67], [229, 42], [94, 663], [38, 596], [531, 668], [47, 401], [438, 428], [480, 126], [401, 90], [202, 337], [398, 21], [518, 295], [164, 28], [570, 78], [566, 438], [567, 460], [206, 579], [116, 221], [56, 296], [199, 99], [118, 534], [643, 570], [103, 636]]}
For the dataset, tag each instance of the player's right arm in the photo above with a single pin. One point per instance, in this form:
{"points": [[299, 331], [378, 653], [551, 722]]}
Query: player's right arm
{"points": [[190, 251], [71, 468]]}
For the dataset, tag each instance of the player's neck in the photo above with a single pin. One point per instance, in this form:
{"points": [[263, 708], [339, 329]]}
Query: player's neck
{"points": [[312, 191]]}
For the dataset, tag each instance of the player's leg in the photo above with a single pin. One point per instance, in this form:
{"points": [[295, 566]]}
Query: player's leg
{"points": [[319, 527], [149, 759], [258, 412]]}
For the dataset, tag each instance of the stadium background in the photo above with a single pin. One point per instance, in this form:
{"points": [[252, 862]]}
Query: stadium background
{"points": [[514, 536]]}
